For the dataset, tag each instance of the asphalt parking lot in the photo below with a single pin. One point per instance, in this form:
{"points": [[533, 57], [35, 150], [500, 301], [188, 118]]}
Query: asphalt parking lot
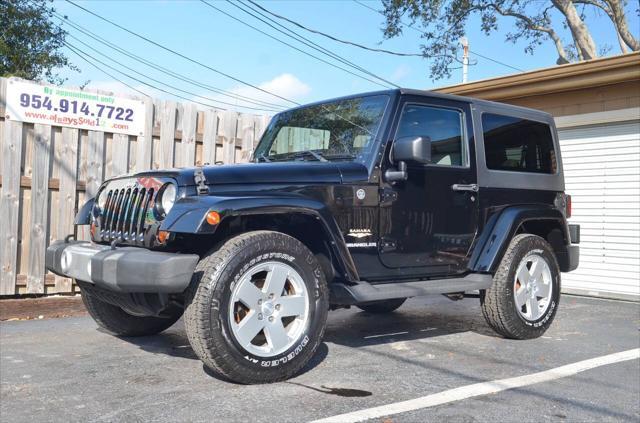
{"points": [[66, 370]]}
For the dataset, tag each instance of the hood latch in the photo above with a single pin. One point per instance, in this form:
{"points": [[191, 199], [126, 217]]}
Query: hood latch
{"points": [[201, 182]]}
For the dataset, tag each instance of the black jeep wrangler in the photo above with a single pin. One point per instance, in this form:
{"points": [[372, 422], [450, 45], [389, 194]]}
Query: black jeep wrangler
{"points": [[365, 200]]}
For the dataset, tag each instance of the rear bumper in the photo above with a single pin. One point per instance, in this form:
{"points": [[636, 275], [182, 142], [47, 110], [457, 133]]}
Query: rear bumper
{"points": [[573, 254], [124, 269], [572, 258], [568, 260]]}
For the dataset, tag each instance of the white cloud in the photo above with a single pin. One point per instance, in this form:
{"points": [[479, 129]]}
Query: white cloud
{"points": [[285, 85], [400, 73]]}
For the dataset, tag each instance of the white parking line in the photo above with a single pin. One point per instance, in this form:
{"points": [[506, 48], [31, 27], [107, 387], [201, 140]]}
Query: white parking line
{"points": [[483, 388], [385, 334]]}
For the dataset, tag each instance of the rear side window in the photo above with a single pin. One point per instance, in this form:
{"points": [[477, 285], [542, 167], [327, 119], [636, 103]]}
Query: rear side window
{"points": [[518, 145]]}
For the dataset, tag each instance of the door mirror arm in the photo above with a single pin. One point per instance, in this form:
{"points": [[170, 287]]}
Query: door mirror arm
{"points": [[397, 174]]}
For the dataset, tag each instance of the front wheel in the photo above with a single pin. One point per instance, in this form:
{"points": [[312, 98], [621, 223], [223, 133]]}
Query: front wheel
{"points": [[523, 299], [257, 308]]}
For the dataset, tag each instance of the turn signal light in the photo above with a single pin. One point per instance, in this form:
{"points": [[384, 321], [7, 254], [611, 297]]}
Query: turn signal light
{"points": [[162, 236], [568, 211], [213, 218]]}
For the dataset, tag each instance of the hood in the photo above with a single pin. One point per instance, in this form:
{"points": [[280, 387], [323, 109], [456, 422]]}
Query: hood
{"points": [[270, 173]]}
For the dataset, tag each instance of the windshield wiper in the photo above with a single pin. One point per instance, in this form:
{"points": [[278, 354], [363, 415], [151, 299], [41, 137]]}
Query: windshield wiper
{"points": [[340, 156], [314, 154], [261, 156]]}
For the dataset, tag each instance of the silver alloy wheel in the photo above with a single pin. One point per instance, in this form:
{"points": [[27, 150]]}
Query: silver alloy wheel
{"points": [[269, 309], [533, 287]]}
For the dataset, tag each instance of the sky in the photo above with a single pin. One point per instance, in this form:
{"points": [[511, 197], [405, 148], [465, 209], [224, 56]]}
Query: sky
{"points": [[198, 31]]}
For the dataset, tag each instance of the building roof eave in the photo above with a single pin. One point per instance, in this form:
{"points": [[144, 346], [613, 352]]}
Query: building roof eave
{"points": [[572, 76]]}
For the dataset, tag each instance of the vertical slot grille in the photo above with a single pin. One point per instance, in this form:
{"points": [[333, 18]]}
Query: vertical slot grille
{"points": [[128, 222], [135, 218], [148, 199], [124, 215]]}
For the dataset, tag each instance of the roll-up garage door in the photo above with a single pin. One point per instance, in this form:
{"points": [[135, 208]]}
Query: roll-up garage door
{"points": [[602, 174]]}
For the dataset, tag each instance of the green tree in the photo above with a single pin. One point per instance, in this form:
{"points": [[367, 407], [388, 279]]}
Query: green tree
{"points": [[443, 23], [30, 42]]}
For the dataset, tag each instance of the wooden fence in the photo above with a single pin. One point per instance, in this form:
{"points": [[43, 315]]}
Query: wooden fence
{"points": [[46, 172]]}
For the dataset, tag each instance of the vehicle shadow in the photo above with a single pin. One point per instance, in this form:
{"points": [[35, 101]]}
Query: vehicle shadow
{"points": [[360, 328], [348, 328]]}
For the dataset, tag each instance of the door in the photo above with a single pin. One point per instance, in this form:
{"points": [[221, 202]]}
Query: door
{"points": [[429, 221]]}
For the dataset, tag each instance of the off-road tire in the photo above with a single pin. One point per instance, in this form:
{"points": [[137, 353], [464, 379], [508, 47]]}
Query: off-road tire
{"points": [[382, 307], [207, 307], [118, 322], [498, 303]]}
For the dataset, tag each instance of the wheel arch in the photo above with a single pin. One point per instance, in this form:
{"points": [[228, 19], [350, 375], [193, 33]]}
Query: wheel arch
{"points": [[544, 221], [305, 219], [309, 228]]}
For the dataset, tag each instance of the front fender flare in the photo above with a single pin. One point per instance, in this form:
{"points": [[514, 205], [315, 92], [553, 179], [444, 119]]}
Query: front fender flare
{"points": [[500, 229], [188, 216]]}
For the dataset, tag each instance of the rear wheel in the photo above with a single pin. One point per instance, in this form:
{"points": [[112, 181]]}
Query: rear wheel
{"points": [[381, 307], [524, 296], [257, 307], [118, 322]]}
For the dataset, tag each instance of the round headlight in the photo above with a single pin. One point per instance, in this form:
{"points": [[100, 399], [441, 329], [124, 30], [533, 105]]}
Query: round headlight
{"points": [[102, 199], [168, 198]]}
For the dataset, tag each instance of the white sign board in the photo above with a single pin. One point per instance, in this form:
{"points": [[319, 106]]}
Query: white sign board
{"points": [[51, 105]]}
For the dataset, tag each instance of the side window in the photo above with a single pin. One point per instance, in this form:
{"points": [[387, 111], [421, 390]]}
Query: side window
{"points": [[443, 126], [518, 145]]}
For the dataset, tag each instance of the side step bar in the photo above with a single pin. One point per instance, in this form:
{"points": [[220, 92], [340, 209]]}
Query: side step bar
{"points": [[365, 292]]}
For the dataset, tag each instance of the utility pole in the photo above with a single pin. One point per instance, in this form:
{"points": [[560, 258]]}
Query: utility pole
{"points": [[465, 58]]}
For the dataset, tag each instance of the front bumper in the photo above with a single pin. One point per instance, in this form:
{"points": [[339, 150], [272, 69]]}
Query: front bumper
{"points": [[122, 269]]}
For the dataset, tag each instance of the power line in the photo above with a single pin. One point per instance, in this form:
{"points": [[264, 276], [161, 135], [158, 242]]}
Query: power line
{"points": [[161, 82], [331, 37], [496, 61], [83, 54], [105, 72], [290, 45], [163, 69], [363, 4], [419, 31], [306, 41], [181, 55]]}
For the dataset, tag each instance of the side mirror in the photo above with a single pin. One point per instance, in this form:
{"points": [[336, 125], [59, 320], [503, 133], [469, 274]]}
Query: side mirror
{"points": [[408, 149], [412, 149]]}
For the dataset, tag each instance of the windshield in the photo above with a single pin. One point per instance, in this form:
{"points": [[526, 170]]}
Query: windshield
{"points": [[338, 130]]}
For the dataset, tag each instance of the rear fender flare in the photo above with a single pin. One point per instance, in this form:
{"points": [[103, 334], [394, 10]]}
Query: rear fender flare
{"points": [[501, 228]]}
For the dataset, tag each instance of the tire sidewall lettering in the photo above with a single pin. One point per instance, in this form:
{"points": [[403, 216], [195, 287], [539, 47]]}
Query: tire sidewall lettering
{"points": [[283, 360], [311, 276]]}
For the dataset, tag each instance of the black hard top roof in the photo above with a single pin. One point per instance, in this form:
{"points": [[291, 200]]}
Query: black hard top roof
{"points": [[433, 94]]}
